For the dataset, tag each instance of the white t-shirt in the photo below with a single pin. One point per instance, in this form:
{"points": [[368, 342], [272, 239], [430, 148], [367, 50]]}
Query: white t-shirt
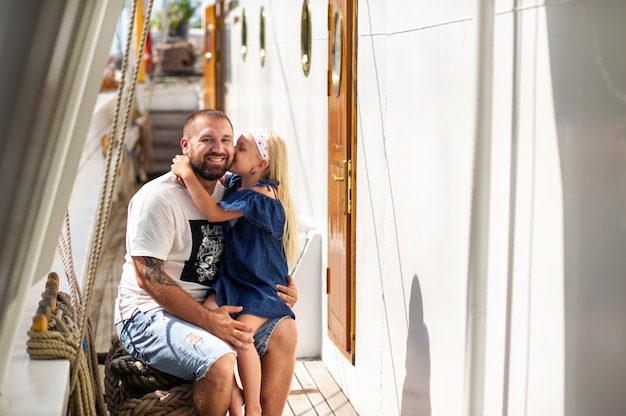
{"points": [[164, 223]]}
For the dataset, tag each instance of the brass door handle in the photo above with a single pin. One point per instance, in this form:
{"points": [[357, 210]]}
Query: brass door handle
{"points": [[347, 186]]}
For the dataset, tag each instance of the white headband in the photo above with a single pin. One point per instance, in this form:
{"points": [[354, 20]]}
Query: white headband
{"points": [[260, 138]]}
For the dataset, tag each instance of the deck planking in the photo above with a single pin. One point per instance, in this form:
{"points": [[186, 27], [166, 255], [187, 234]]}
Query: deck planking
{"points": [[313, 390]]}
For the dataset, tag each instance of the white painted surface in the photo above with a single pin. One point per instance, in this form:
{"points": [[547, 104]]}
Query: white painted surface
{"points": [[308, 309], [415, 116], [34, 388]]}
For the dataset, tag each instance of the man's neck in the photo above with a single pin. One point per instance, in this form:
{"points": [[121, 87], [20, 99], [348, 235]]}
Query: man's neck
{"points": [[209, 185]]}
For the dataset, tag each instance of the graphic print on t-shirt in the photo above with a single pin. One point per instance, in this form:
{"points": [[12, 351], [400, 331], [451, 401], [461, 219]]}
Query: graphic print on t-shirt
{"points": [[206, 252]]}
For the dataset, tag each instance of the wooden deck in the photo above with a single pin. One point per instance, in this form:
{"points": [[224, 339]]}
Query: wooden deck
{"points": [[313, 390]]}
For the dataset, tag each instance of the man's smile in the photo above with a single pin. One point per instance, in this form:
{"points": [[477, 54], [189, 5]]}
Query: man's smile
{"points": [[216, 158]]}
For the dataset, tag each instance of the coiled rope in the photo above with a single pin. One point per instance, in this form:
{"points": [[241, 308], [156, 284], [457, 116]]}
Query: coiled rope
{"points": [[61, 339], [132, 388], [61, 326]]}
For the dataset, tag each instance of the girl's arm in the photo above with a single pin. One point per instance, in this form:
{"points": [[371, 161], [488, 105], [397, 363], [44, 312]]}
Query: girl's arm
{"points": [[181, 167]]}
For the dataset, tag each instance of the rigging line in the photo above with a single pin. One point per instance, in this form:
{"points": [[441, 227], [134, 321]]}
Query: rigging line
{"points": [[301, 165], [94, 252], [104, 207], [380, 271], [375, 228], [93, 258], [386, 160], [64, 248]]}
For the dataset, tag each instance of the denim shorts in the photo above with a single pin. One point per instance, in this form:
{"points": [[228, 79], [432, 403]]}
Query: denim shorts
{"points": [[170, 344], [177, 347], [263, 334]]}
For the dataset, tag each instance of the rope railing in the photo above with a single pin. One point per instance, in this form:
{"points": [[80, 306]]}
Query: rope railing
{"points": [[61, 326], [112, 167]]}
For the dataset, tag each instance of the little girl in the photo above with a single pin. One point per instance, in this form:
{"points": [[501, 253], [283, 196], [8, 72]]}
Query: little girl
{"points": [[258, 247]]}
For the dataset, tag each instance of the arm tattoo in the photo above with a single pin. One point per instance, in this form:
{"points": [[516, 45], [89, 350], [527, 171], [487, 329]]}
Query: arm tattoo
{"points": [[154, 272]]}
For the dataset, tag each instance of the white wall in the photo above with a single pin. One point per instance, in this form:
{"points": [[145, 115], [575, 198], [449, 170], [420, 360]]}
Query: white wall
{"points": [[415, 132], [414, 158]]}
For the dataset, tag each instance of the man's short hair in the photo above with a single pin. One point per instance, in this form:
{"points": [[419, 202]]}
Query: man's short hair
{"points": [[204, 113]]}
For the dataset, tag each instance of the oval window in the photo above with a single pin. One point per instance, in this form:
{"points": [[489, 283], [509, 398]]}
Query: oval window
{"points": [[305, 37], [244, 35], [337, 51], [262, 37]]}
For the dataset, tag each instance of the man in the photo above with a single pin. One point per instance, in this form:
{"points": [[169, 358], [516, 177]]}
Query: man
{"points": [[173, 256]]}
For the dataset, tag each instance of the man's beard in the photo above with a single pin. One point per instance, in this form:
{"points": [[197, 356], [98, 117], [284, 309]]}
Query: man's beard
{"points": [[210, 172]]}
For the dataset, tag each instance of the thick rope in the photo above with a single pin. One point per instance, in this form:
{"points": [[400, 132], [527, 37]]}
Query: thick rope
{"points": [[77, 311], [141, 378], [61, 340], [65, 252], [166, 403], [133, 388]]}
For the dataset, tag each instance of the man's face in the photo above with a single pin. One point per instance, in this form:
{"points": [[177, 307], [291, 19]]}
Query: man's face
{"points": [[210, 149]]}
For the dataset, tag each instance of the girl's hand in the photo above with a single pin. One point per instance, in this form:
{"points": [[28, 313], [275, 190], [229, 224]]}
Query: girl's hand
{"points": [[181, 166], [181, 182]]}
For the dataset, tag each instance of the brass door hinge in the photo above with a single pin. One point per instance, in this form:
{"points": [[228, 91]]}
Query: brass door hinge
{"points": [[328, 280]]}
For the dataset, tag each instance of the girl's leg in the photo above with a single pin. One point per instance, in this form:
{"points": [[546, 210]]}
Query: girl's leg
{"points": [[250, 370], [236, 401], [211, 301]]}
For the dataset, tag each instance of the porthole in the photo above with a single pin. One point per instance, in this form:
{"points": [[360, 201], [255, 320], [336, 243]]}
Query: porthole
{"points": [[305, 37], [262, 37], [337, 51], [244, 35]]}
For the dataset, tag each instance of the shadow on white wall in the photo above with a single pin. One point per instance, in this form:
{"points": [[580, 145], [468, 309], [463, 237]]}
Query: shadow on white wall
{"points": [[416, 390]]}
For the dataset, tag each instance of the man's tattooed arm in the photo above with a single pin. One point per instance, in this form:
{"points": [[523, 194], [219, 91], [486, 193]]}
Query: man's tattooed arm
{"points": [[154, 272]]}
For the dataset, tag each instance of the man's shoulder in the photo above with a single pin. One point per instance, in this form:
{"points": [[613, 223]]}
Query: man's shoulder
{"points": [[163, 190], [162, 184]]}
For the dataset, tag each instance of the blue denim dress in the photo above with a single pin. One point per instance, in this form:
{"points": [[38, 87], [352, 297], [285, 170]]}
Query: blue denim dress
{"points": [[254, 258]]}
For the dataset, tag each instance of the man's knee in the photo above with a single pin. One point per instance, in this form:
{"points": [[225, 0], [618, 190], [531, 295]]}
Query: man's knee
{"points": [[220, 375], [223, 368], [277, 367], [211, 394]]}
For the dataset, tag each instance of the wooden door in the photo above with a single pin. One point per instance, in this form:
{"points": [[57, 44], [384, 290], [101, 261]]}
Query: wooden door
{"points": [[341, 173], [209, 58], [213, 78]]}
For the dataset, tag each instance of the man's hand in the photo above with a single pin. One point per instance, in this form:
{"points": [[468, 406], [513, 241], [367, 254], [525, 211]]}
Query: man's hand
{"points": [[289, 293], [235, 333], [152, 278]]}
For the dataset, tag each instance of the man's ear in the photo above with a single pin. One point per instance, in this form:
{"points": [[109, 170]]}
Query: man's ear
{"points": [[184, 145]]}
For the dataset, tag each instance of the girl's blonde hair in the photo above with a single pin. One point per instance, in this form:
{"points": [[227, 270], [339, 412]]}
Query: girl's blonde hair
{"points": [[279, 169]]}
